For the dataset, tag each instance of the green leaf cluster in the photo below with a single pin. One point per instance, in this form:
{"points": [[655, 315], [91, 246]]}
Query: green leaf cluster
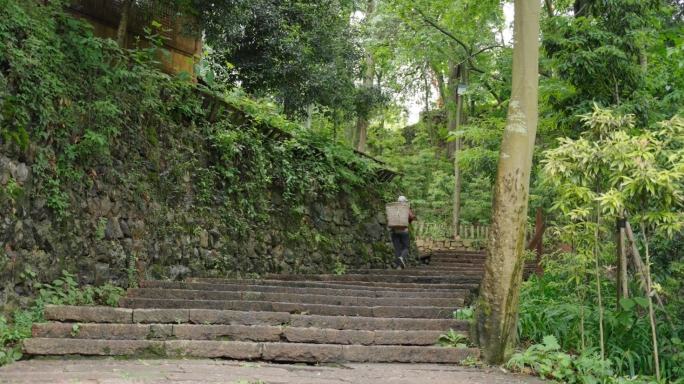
{"points": [[67, 291]]}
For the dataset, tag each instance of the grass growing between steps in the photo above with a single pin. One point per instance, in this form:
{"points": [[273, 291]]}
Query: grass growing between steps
{"points": [[64, 291]]}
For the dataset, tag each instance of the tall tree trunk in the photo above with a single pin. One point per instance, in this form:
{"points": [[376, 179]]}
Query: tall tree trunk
{"points": [[643, 61], [428, 118], [496, 313], [452, 104], [549, 8], [334, 114], [362, 122], [457, 151], [581, 8], [362, 128], [381, 132], [440, 84], [442, 98], [123, 23], [308, 117]]}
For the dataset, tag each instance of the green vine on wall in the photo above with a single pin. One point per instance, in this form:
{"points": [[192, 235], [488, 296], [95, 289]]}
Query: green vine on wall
{"points": [[74, 104]]}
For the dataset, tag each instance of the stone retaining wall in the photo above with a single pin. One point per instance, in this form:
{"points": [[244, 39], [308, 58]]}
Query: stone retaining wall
{"points": [[139, 219], [427, 246]]}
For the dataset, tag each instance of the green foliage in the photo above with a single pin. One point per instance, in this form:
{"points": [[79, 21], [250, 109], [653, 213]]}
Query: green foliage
{"points": [[547, 361], [465, 313], [301, 52], [550, 306], [11, 335], [132, 270], [66, 291], [338, 267], [429, 176], [100, 229], [453, 339], [119, 109], [45, 58]]}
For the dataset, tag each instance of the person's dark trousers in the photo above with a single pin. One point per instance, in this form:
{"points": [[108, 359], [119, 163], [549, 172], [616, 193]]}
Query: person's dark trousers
{"points": [[401, 243]]}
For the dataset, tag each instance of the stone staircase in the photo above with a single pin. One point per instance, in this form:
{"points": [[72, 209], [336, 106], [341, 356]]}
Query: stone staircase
{"points": [[362, 316]]}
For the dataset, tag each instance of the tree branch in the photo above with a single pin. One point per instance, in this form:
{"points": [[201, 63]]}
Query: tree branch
{"points": [[491, 90], [472, 68], [485, 49], [441, 29]]}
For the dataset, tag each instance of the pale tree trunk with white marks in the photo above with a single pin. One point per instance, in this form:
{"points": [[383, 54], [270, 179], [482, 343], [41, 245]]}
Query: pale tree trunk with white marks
{"points": [[496, 313]]}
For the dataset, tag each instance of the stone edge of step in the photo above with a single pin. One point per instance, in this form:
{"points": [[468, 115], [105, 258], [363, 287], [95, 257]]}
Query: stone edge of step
{"points": [[74, 314], [282, 352], [243, 333]]}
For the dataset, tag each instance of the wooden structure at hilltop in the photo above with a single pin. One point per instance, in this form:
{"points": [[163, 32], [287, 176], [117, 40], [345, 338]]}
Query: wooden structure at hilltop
{"points": [[105, 15]]}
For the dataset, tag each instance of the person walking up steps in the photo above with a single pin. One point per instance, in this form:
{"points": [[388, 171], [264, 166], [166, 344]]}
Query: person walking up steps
{"points": [[401, 238]]}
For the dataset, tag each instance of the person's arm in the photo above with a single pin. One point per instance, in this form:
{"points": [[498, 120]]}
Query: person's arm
{"points": [[411, 217]]}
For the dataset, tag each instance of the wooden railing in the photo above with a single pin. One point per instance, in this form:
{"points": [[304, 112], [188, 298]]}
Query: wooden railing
{"points": [[425, 230]]}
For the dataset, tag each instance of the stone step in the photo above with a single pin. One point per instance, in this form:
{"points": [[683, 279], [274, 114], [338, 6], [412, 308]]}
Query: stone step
{"points": [[437, 254], [218, 317], [378, 278], [468, 263], [424, 271], [409, 287], [184, 294], [456, 287], [280, 352], [316, 309], [254, 333], [378, 323], [343, 290], [457, 252]]}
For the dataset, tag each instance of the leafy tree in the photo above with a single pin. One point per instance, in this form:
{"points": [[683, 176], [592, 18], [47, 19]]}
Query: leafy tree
{"points": [[496, 312], [301, 51]]}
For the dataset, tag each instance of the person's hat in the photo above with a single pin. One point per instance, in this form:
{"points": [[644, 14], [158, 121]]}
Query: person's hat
{"points": [[402, 199]]}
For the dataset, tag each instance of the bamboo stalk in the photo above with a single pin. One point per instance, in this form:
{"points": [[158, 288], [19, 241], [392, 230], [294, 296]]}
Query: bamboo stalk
{"points": [[651, 312], [640, 268]]}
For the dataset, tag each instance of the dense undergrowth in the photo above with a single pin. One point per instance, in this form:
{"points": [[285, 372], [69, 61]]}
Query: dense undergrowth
{"points": [[559, 317], [71, 102]]}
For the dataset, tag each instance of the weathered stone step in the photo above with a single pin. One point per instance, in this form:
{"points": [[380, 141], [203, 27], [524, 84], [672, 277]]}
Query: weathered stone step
{"points": [[196, 316], [467, 286], [282, 352], [375, 323], [211, 316], [423, 271], [445, 266], [316, 309], [466, 262], [378, 278], [457, 252], [255, 333], [343, 290], [408, 287], [184, 294], [464, 258], [459, 262]]}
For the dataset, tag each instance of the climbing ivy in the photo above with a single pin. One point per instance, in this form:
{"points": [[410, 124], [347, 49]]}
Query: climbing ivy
{"points": [[78, 106]]}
